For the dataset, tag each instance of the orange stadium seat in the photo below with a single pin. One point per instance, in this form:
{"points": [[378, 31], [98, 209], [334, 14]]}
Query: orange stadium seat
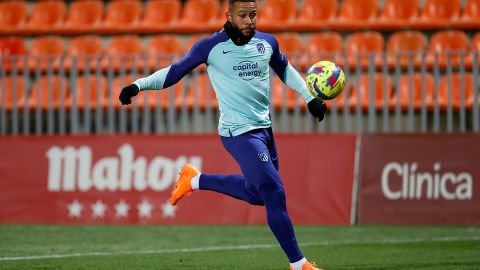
{"points": [[121, 16], [355, 14], [448, 43], [396, 14], [360, 45], [322, 46], [123, 52], [199, 16], [46, 16], [162, 50], [470, 18], [15, 90], [290, 45], [13, 49], [315, 15], [456, 80], [276, 15], [45, 52], [406, 48], [415, 82], [86, 51], [474, 48], [198, 92], [282, 95], [13, 15], [50, 90], [437, 14], [87, 89], [82, 17], [364, 87], [159, 16], [150, 98]]}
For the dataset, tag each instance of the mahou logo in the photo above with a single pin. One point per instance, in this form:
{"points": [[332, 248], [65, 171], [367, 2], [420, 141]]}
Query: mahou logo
{"points": [[403, 181], [71, 169]]}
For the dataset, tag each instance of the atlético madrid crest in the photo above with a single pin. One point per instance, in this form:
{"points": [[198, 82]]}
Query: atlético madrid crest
{"points": [[261, 48]]}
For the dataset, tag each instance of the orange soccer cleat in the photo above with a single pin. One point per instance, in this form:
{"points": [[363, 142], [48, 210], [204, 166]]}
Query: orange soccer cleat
{"points": [[183, 186], [308, 266]]}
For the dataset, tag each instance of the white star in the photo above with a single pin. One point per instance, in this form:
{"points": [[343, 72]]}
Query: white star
{"points": [[168, 209], [75, 209], [98, 209], [121, 209], [145, 209]]}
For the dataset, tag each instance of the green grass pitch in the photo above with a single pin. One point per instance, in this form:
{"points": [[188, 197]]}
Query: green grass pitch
{"points": [[79, 247]]}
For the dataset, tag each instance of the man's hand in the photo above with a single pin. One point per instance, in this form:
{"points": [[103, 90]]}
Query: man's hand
{"points": [[127, 93], [317, 108]]}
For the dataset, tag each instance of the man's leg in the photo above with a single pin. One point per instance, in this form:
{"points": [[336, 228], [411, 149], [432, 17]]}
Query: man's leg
{"points": [[253, 151]]}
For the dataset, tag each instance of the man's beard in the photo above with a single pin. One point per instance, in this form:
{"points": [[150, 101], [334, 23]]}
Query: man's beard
{"points": [[236, 35]]}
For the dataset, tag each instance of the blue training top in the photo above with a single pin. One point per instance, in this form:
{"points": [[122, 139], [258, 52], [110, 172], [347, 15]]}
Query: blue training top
{"points": [[239, 75]]}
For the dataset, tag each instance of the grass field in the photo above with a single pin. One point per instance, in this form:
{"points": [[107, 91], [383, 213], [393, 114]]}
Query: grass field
{"points": [[235, 247]]}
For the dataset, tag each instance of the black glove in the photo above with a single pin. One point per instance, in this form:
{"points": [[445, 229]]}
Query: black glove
{"points": [[317, 108], [127, 93]]}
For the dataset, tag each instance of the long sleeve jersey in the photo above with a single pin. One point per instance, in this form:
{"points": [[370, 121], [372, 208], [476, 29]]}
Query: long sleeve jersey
{"points": [[239, 75]]}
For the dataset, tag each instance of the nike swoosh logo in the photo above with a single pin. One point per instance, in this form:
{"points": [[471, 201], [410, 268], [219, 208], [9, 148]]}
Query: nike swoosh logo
{"points": [[225, 52]]}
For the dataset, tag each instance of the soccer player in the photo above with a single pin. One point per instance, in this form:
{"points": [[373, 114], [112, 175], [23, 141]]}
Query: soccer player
{"points": [[238, 60]]}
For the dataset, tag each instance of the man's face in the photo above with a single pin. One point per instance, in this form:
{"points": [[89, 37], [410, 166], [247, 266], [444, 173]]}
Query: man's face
{"points": [[243, 17]]}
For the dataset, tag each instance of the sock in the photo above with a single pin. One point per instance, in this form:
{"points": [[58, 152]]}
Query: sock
{"points": [[195, 182], [298, 264]]}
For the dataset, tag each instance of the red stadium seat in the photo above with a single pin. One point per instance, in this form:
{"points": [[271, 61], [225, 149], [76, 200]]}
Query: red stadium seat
{"points": [[416, 82], [322, 46], [396, 14], [14, 91], [47, 16], [355, 14], [470, 18], [159, 16], [438, 14], [448, 43], [364, 87], [276, 15], [86, 51], [45, 52], [13, 49], [162, 50], [123, 52], [122, 16], [87, 89], [360, 45], [406, 48], [315, 15], [13, 15], [199, 16], [82, 17], [51, 92]]}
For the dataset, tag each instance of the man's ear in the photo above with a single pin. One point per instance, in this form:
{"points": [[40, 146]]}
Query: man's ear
{"points": [[229, 17]]}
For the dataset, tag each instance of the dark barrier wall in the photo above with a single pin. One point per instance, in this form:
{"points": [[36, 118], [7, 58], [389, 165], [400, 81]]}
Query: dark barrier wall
{"points": [[128, 179], [420, 179]]}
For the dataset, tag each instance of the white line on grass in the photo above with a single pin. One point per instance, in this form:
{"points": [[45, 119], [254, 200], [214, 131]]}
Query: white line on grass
{"points": [[239, 247]]}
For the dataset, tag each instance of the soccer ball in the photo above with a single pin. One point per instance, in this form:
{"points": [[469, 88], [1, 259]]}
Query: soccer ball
{"points": [[325, 80]]}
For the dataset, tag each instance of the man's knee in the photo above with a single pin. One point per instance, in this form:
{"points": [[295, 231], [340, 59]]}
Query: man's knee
{"points": [[273, 194]]}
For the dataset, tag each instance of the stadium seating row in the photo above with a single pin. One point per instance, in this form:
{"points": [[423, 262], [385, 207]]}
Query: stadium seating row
{"points": [[126, 16], [92, 91], [403, 47]]}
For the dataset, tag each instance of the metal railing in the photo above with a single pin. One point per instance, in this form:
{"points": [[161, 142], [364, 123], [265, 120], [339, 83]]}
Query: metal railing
{"points": [[405, 92]]}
